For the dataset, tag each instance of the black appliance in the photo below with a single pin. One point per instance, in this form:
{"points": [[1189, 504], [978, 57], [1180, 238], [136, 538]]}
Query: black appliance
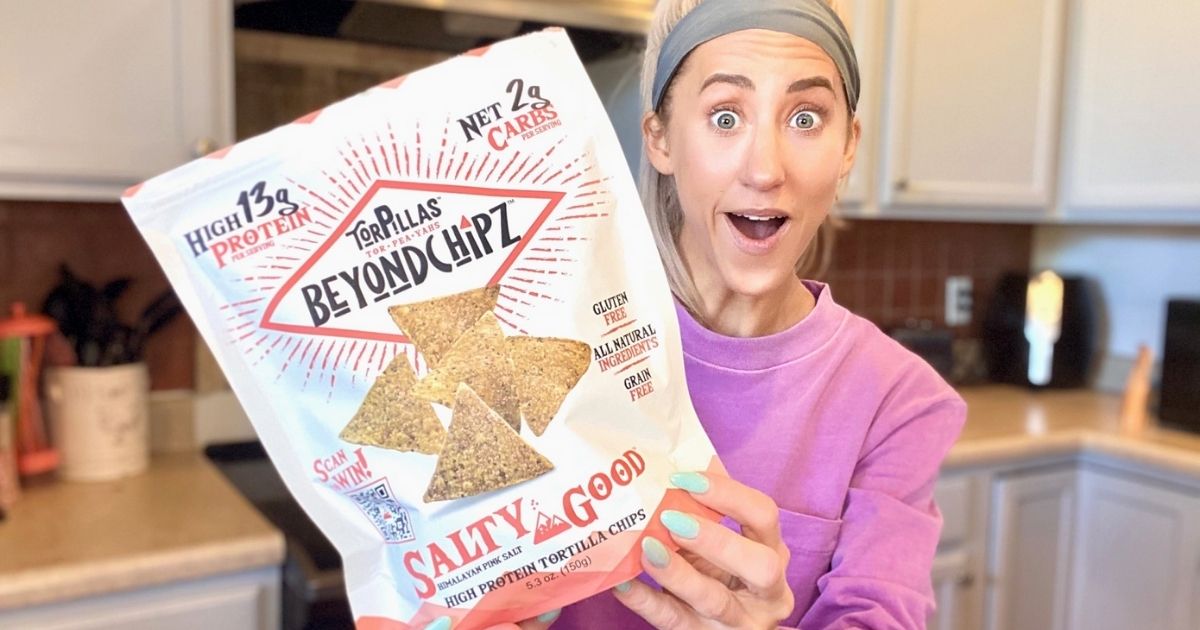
{"points": [[1006, 348], [934, 345], [1179, 391], [313, 592]]}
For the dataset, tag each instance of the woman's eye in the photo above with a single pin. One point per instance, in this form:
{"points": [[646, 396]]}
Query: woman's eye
{"points": [[725, 120], [806, 120]]}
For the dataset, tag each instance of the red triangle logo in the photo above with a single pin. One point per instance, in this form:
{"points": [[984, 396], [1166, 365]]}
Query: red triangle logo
{"points": [[548, 527], [344, 287]]}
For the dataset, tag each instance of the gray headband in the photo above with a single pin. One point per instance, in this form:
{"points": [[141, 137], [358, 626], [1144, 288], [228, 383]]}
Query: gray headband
{"points": [[809, 19]]}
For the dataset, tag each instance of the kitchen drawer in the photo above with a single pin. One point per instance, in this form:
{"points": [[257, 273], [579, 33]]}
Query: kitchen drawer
{"points": [[239, 601], [953, 496]]}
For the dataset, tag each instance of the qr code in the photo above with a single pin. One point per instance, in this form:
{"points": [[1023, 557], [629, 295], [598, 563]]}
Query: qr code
{"points": [[389, 517]]}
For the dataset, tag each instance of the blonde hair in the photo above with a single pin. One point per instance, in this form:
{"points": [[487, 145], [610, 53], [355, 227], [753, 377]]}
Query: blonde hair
{"points": [[658, 191]]}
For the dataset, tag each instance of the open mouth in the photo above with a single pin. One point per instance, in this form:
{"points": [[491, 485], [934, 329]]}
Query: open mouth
{"points": [[758, 228]]}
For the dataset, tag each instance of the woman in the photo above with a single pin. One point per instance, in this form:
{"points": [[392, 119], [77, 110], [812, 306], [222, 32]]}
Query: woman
{"points": [[832, 434]]}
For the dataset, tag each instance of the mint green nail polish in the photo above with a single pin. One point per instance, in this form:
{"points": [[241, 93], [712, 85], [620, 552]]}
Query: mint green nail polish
{"points": [[624, 587], [547, 617], [655, 552], [680, 524], [441, 623], [690, 481]]}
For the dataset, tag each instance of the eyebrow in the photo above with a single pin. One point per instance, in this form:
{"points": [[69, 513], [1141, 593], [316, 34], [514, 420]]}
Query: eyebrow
{"points": [[744, 82], [810, 82], [736, 80]]}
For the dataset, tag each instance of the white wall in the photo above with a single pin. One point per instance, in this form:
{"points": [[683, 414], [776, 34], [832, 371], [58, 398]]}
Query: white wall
{"points": [[1137, 269]]}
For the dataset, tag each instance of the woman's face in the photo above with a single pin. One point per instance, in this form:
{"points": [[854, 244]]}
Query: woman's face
{"points": [[757, 139]]}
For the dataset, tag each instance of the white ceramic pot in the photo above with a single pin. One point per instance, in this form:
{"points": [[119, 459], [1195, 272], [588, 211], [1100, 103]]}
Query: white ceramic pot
{"points": [[99, 419]]}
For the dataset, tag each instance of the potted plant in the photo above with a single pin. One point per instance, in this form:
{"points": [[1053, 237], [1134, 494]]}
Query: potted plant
{"points": [[97, 395]]}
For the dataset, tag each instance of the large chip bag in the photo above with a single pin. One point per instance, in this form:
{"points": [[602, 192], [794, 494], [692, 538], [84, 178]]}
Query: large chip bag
{"points": [[441, 306]]}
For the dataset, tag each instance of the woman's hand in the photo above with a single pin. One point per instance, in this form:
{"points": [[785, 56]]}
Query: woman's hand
{"points": [[719, 579]]}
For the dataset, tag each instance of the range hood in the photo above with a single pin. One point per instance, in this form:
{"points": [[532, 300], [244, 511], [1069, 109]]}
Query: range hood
{"points": [[624, 16]]}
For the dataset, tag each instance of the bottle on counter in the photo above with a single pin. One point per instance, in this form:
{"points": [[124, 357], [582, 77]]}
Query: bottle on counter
{"points": [[9, 488], [22, 346]]}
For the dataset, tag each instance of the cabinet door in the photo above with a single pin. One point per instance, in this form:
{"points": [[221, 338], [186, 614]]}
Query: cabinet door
{"points": [[1030, 550], [1195, 599], [951, 579], [241, 601], [1136, 556], [1131, 149], [962, 500], [972, 105], [100, 95], [864, 20]]}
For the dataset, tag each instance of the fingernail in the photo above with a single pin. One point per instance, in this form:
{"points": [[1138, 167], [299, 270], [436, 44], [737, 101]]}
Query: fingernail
{"points": [[655, 552], [680, 524], [690, 481], [547, 617], [624, 587], [441, 623]]}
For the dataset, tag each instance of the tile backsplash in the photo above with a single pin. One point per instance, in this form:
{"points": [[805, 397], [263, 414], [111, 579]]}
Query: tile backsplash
{"points": [[99, 242], [892, 272], [886, 271]]}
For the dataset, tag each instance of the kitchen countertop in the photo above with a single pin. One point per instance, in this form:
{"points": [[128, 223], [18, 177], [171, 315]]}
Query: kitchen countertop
{"points": [[183, 520], [179, 520], [1010, 424]]}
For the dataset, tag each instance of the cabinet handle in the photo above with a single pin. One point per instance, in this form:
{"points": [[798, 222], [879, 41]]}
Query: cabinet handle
{"points": [[966, 580], [203, 146], [901, 184]]}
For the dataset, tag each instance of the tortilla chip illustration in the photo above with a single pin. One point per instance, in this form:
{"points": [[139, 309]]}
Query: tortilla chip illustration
{"points": [[546, 368], [482, 453], [434, 325], [392, 418], [480, 359]]}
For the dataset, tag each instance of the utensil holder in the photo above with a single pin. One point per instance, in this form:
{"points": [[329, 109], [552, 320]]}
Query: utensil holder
{"points": [[99, 418]]}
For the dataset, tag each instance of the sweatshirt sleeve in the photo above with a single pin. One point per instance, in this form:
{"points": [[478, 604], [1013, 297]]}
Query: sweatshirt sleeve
{"points": [[879, 576]]}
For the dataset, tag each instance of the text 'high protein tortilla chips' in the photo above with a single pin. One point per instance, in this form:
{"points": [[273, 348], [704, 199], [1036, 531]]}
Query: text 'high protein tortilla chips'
{"points": [[441, 306]]}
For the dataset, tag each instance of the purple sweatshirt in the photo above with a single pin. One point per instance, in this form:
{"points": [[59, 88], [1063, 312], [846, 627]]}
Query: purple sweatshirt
{"points": [[845, 429]]}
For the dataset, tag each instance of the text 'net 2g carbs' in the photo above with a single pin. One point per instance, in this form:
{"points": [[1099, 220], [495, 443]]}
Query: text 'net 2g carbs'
{"points": [[442, 308]]}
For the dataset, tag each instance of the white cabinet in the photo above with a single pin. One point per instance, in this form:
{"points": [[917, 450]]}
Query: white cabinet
{"points": [[962, 502], [951, 575], [241, 601], [1029, 554], [1086, 543], [971, 107], [101, 95], [1194, 615], [1074, 111], [1138, 555], [864, 20], [1131, 144]]}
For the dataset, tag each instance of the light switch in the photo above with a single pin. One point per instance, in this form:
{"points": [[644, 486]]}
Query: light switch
{"points": [[959, 300]]}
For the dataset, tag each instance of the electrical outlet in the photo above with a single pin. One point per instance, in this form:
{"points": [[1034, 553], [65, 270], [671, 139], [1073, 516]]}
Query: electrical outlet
{"points": [[959, 300]]}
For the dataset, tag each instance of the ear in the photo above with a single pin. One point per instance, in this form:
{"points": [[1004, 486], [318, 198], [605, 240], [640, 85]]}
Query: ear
{"points": [[654, 137], [851, 150]]}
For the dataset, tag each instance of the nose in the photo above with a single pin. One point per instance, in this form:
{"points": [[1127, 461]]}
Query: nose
{"points": [[764, 160]]}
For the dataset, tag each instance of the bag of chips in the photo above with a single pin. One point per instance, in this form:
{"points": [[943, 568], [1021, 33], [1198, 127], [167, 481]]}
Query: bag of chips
{"points": [[441, 306]]}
